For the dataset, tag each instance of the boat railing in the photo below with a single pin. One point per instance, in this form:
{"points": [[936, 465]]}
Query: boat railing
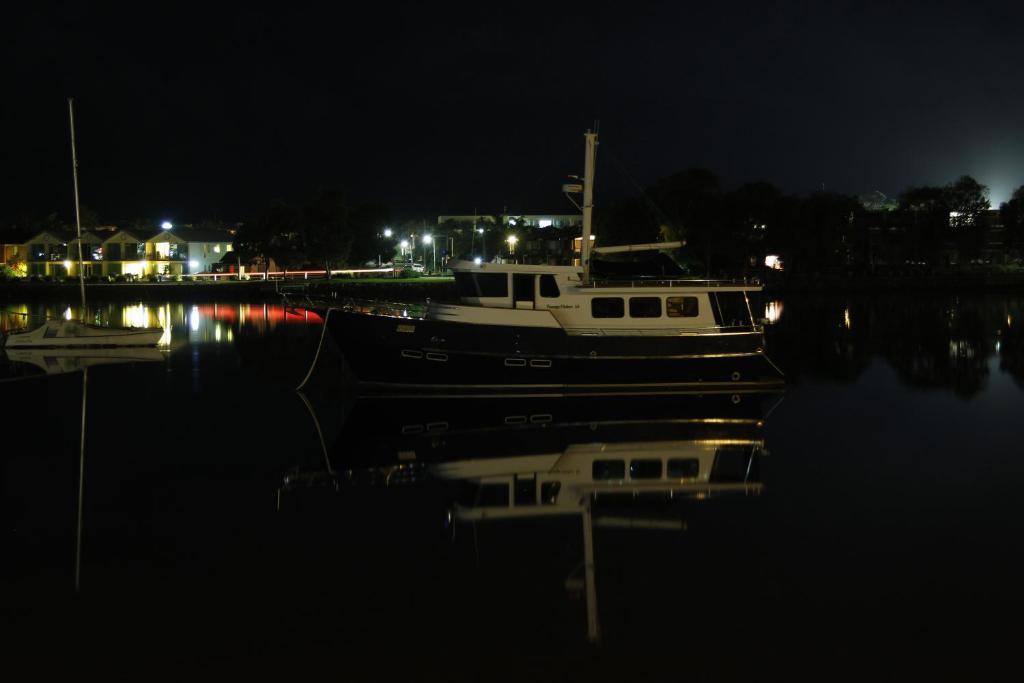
{"points": [[611, 282], [302, 297], [660, 332]]}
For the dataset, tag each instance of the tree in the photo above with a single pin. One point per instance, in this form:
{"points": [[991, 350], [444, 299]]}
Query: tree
{"points": [[272, 234], [1012, 213], [689, 208], [326, 228]]}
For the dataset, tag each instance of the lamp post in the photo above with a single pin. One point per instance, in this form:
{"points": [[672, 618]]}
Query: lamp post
{"points": [[429, 239]]}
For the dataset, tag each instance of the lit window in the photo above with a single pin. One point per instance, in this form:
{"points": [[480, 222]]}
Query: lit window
{"points": [[216, 249], [681, 306]]}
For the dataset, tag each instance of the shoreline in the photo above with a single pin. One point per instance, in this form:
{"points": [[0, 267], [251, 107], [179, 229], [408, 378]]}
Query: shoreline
{"points": [[443, 289]]}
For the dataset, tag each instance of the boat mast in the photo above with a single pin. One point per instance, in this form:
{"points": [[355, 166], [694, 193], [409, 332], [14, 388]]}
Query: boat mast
{"points": [[78, 214], [588, 202]]}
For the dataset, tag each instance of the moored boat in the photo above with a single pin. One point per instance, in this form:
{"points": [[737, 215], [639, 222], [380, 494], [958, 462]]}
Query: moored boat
{"points": [[544, 329]]}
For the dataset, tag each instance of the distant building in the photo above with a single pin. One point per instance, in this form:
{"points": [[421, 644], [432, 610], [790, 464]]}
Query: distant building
{"points": [[131, 252], [517, 220]]}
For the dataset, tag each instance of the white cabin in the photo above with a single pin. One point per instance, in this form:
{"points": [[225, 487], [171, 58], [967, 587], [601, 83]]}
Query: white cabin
{"points": [[638, 307]]}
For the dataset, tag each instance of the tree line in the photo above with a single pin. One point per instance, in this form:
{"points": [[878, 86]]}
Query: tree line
{"points": [[729, 232]]}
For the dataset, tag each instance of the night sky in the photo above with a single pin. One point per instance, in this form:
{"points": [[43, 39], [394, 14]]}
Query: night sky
{"points": [[193, 112]]}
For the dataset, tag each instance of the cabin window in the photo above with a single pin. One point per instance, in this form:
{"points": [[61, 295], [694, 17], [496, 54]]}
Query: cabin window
{"points": [[609, 469], [730, 309], [683, 468], [549, 492], [644, 307], [114, 251], [477, 285], [645, 469], [548, 287], [607, 307], [39, 251], [731, 464], [682, 307], [526, 490], [522, 287]]}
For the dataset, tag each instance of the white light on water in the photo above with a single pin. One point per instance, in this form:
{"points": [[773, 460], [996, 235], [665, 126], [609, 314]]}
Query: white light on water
{"points": [[773, 311]]}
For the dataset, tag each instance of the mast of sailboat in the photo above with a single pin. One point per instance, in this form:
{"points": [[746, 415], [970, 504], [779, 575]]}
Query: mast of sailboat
{"points": [[588, 202], [78, 214]]}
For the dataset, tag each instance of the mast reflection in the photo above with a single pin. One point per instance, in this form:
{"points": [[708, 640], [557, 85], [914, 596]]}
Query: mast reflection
{"points": [[629, 464]]}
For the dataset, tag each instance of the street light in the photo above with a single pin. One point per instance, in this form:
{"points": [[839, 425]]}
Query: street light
{"points": [[387, 232], [428, 239], [166, 225]]}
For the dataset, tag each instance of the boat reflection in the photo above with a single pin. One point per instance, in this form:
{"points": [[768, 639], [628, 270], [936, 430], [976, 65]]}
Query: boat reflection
{"points": [[628, 464], [59, 360]]}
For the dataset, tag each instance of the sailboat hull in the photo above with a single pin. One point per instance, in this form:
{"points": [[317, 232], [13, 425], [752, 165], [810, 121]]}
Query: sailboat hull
{"points": [[73, 334]]}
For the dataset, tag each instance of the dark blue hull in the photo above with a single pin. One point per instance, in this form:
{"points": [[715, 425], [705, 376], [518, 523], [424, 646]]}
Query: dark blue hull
{"points": [[390, 355]]}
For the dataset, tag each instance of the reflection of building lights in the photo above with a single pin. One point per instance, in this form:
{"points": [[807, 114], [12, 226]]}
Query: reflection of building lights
{"points": [[67, 265], [999, 346], [773, 261], [773, 311], [216, 332], [67, 314], [135, 316], [193, 264], [846, 318]]}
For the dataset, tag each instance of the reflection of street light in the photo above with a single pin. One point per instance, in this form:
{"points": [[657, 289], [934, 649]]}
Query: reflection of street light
{"points": [[428, 239], [512, 239]]}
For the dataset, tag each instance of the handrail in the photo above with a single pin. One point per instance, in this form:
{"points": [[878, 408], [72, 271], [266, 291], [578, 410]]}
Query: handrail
{"points": [[754, 282]]}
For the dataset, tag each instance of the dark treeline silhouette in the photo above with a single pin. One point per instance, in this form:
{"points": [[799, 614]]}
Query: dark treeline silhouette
{"points": [[730, 232], [328, 230]]}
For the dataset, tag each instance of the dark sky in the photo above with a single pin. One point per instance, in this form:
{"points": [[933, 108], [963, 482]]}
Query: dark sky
{"points": [[193, 111]]}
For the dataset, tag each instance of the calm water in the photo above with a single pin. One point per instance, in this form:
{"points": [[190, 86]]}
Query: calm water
{"points": [[232, 527]]}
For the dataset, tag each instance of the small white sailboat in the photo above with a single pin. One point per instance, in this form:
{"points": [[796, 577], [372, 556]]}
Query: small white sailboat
{"points": [[78, 333]]}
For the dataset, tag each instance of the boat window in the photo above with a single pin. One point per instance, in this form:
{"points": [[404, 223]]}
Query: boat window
{"points": [[526, 490], [549, 492], [731, 464], [682, 307], [609, 469], [548, 287], [476, 285], [645, 469], [683, 468], [607, 307], [731, 309], [644, 307], [522, 287]]}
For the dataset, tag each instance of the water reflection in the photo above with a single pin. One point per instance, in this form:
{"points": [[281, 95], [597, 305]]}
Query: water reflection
{"points": [[637, 465], [933, 341]]}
